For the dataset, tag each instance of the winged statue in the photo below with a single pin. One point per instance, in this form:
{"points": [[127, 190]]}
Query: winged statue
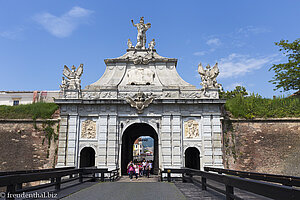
{"points": [[208, 76], [73, 76], [140, 102]]}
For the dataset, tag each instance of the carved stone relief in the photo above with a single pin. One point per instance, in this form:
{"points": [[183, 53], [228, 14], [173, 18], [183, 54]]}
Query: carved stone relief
{"points": [[140, 76], [88, 129], [191, 129]]}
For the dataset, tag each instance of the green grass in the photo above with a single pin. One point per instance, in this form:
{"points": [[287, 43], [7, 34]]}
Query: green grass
{"points": [[33, 111], [254, 106]]}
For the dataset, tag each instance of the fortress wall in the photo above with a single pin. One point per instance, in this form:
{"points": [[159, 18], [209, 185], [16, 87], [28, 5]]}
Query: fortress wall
{"points": [[21, 145], [265, 146]]}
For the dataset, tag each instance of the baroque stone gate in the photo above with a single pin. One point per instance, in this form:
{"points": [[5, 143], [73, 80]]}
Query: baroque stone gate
{"points": [[140, 94]]}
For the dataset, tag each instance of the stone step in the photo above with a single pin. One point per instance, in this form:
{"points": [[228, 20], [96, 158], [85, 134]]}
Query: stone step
{"points": [[143, 179]]}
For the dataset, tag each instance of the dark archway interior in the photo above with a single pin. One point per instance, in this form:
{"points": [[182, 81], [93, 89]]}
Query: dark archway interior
{"points": [[192, 158], [130, 134], [87, 157]]}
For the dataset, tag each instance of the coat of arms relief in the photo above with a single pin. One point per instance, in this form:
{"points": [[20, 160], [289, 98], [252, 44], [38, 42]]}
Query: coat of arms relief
{"points": [[88, 130], [191, 129]]}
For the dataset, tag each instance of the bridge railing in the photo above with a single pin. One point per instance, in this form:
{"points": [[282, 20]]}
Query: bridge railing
{"points": [[282, 179], [33, 171], [200, 178], [55, 177]]}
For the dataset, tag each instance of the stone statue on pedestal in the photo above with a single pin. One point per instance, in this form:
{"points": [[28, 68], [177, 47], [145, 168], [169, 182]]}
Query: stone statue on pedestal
{"points": [[152, 44], [74, 82], [141, 36], [209, 76], [129, 44]]}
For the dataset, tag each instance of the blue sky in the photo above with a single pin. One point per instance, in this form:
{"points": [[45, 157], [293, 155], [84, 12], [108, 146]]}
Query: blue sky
{"points": [[37, 38]]}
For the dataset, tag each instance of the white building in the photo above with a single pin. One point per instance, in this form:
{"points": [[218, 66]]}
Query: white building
{"points": [[13, 98]]}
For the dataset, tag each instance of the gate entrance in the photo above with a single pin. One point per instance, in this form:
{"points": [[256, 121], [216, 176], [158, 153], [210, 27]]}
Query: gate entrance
{"points": [[87, 157], [192, 158], [130, 135]]}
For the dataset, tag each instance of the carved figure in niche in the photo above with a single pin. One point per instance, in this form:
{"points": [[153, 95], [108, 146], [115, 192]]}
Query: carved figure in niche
{"points": [[191, 129], [74, 77], [209, 76], [129, 44], [140, 102], [88, 129], [141, 36]]}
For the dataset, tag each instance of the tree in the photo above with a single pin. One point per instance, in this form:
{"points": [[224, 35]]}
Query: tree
{"points": [[238, 91], [287, 75]]}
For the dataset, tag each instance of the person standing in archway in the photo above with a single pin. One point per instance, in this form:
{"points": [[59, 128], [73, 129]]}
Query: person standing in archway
{"points": [[144, 163], [131, 171], [137, 170], [147, 169], [150, 167]]}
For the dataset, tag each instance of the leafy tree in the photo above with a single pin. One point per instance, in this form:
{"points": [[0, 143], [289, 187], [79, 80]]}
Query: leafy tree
{"points": [[238, 91], [287, 75]]}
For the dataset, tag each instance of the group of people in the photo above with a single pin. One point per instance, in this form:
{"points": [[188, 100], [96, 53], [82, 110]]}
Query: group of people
{"points": [[139, 169]]}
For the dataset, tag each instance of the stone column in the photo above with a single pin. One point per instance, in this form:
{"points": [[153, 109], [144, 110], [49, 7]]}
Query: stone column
{"points": [[72, 140], [112, 151], [207, 141], [176, 142], [166, 141], [217, 141], [102, 141], [62, 141]]}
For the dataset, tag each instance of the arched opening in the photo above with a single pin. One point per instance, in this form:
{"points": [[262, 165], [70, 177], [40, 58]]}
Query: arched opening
{"points": [[130, 135], [143, 148], [192, 158], [87, 157]]}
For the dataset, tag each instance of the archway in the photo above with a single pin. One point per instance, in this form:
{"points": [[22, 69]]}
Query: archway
{"points": [[130, 134], [87, 157], [192, 158]]}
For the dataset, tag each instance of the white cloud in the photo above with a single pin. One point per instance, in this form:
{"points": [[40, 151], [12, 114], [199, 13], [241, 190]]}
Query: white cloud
{"points": [[238, 65], [11, 34], [246, 31], [199, 53], [213, 41], [64, 25], [233, 85]]}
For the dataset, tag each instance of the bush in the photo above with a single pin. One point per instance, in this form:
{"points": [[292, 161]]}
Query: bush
{"points": [[254, 106], [33, 111]]}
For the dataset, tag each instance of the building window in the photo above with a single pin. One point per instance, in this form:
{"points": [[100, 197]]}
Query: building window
{"points": [[16, 102]]}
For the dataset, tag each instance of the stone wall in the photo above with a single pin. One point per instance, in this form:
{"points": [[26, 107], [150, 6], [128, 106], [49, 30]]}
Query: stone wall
{"points": [[262, 145], [24, 144]]}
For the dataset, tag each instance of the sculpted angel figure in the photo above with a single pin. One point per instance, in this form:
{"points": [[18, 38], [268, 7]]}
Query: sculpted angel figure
{"points": [[209, 76], [73, 76], [141, 36]]}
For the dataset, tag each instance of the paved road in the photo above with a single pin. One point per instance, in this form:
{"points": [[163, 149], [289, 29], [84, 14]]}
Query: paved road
{"points": [[126, 191]]}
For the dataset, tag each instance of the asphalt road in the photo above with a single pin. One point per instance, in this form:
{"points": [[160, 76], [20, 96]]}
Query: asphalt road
{"points": [[128, 191]]}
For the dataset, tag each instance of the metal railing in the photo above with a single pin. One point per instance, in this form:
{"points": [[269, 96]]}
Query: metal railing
{"points": [[282, 179], [270, 190], [13, 181]]}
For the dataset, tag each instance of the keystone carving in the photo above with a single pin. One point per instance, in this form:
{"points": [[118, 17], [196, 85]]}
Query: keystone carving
{"points": [[139, 102]]}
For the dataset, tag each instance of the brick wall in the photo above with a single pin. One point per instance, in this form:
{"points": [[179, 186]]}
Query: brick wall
{"points": [[22, 147], [263, 145]]}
